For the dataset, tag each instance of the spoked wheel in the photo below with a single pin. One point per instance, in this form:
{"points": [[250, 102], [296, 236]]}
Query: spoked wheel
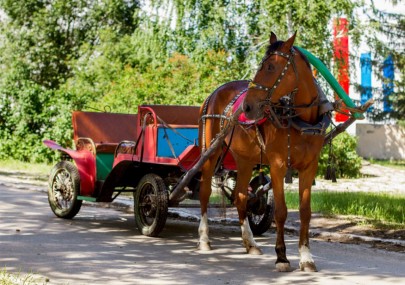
{"points": [[63, 188], [151, 205], [260, 206]]}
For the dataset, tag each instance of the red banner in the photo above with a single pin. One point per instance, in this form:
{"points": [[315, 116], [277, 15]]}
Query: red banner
{"points": [[341, 57]]}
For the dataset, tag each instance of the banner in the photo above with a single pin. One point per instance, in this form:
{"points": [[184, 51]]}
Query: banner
{"points": [[388, 83], [341, 57], [366, 71]]}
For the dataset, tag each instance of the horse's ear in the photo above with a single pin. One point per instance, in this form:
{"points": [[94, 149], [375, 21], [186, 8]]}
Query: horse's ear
{"points": [[290, 42], [273, 38]]}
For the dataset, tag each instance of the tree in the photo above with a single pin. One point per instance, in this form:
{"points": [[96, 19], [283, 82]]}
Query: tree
{"points": [[41, 40], [62, 55], [384, 33]]}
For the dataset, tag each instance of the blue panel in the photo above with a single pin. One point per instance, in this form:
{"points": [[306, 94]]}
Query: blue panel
{"points": [[388, 83], [180, 139], [366, 69]]}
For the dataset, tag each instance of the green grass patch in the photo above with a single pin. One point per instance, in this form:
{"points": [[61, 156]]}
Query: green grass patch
{"points": [[10, 165], [7, 278], [396, 164], [375, 207]]}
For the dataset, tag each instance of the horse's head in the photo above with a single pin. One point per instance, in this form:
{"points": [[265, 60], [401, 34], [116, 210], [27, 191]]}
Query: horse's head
{"points": [[275, 78]]}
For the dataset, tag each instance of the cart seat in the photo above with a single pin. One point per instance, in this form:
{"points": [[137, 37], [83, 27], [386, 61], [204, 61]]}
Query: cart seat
{"points": [[101, 133], [106, 130]]}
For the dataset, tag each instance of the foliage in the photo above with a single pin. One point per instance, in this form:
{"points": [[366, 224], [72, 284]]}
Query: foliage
{"points": [[378, 207], [343, 157], [178, 81], [41, 42], [384, 33]]}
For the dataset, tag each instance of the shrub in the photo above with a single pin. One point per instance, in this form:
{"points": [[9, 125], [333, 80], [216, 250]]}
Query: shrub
{"points": [[343, 157]]}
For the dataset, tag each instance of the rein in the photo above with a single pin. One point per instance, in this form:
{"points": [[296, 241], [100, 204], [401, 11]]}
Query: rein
{"points": [[224, 116]]}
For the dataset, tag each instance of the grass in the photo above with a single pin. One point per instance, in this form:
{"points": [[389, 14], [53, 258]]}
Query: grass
{"points": [[7, 278], [376, 208], [396, 164], [40, 169]]}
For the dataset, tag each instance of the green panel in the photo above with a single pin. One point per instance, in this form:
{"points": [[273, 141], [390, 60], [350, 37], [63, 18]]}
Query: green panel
{"points": [[104, 164], [86, 198]]}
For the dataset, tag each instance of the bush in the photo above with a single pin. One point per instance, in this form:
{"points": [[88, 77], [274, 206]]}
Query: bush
{"points": [[343, 157]]}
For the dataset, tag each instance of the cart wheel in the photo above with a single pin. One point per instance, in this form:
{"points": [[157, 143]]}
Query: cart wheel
{"points": [[151, 205], [261, 212], [63, 188]]}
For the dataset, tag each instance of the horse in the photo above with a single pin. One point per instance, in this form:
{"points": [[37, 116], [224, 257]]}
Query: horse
{"points": [[285, 94]]}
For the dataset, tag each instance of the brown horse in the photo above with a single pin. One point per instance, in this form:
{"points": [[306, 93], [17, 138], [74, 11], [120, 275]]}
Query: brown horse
{"points": [[285, 92]]}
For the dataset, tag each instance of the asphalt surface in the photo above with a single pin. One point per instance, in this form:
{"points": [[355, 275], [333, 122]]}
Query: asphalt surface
{"points": [[101, 246], [376, 179]]}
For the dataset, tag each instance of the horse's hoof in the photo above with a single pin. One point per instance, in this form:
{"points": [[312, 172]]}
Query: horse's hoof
{"points": [[308, 267], [283, 267], [254, 251], [204, 246]]}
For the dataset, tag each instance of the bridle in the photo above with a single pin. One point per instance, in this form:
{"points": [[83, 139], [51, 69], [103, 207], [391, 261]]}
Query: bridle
{"points": [[288, 97]]}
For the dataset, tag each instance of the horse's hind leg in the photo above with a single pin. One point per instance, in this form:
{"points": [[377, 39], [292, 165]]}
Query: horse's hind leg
{"points": [[306, 178], [280, 216], [242, 182], [207, 172]]}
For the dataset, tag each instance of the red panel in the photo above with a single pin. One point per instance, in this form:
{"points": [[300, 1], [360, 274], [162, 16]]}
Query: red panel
{"points": [[189, 157], [341, 57], [229, 162], [85, 163]]}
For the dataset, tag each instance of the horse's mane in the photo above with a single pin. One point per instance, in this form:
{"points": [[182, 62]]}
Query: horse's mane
{"points": [[276, 45]]}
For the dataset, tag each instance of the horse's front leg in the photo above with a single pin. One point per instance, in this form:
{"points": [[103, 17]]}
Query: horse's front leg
{"points": [[306, 178], [280, 216], [242, 183]]}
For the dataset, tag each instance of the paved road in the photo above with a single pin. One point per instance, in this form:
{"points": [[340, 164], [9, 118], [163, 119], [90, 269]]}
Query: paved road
{"points": [[101, 246]]}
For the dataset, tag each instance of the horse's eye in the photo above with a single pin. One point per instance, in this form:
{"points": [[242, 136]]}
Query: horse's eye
{"points": [[271, 67]]}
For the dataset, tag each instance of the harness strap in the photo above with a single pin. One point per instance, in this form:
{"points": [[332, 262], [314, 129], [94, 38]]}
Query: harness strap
{"points": [[229, 106], [203, 145], [318, 129], [260, 139], [225, 116], [214, 116]]}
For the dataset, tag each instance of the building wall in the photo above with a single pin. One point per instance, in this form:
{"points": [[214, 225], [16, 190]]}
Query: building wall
{"points": [[380, 141]]}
